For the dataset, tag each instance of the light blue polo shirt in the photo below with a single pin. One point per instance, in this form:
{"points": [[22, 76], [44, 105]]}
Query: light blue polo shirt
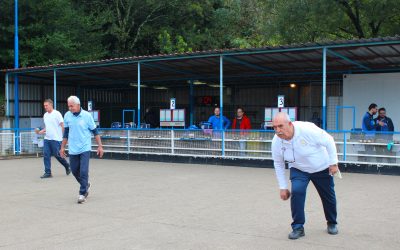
{"points": [[80, 134]]}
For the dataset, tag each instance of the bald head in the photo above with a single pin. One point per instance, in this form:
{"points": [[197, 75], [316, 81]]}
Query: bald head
{"points": [[282, 125], [282, 116]]}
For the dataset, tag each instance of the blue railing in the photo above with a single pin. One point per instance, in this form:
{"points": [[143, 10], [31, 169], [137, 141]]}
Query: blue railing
{"points": [[353, 146]]}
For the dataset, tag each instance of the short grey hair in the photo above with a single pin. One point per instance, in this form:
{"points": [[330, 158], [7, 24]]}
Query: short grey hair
{"points": [[74, 99]]}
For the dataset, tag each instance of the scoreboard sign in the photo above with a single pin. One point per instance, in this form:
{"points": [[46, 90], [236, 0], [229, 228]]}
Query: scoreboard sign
{"points": [[172, 117], [271, 112]]}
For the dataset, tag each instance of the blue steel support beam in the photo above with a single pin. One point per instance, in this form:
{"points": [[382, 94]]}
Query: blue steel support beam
{"points": [[221, 101], [88, 76], [138, 93], [347, 59], [324, 50], [277, 75], [55, 89], [163, 68], [267, 51], [191, 102], [7, 97], [16, 86], [249, 65]]}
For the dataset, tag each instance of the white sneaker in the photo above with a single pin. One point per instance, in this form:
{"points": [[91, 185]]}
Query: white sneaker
{"points": [[87, 190], [81, 199]]}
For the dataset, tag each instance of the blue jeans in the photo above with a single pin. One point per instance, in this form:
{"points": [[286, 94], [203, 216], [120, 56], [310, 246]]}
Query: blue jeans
{"points": [[52, 148], [80, 169], [324, 184]]}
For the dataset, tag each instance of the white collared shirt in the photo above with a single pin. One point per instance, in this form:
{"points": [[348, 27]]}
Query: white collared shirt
{"points": [[310, 150]]}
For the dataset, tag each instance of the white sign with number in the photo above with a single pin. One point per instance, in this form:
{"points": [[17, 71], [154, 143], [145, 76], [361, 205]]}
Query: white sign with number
{"points": [[90, 106], [281, 101], [172, 103]]}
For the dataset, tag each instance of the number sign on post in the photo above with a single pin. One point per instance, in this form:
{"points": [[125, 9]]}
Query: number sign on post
{"points": [[281, 101], [172, 103]]}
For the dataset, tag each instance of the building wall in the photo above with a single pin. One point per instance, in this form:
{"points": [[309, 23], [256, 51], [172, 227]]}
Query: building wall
{"points": [[31, 98], [361, 90], [307, 97]]}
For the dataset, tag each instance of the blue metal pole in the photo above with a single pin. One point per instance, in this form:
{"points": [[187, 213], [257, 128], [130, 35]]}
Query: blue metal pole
{"points": [[16, 87], [7, 97], [55, 89], [138, 93], [221, 100], [191, 102], [123, 118], [324, 88]]}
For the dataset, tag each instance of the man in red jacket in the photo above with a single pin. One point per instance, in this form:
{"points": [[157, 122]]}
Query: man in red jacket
{"points": [[241, 122]]}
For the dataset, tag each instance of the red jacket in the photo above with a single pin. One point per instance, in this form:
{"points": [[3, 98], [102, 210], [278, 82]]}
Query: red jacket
{"points": [[244, 125]]}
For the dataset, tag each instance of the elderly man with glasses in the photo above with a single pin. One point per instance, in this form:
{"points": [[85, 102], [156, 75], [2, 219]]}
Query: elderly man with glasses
{"points": [[311, 155]]}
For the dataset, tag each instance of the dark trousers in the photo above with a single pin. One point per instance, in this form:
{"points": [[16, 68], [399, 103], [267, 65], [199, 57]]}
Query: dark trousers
{"points": [[52, 148], [324, 184], [80, 169]]}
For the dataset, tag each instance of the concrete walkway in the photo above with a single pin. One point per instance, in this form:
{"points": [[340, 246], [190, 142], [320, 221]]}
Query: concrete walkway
{"points": [[146, 205]]}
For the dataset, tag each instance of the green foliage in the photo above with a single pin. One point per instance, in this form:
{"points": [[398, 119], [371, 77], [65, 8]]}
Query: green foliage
{"points": [[58, 31]]}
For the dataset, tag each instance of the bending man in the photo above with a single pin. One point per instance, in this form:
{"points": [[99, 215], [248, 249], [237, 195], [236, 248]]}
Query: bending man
{"points": [[311, 155]]}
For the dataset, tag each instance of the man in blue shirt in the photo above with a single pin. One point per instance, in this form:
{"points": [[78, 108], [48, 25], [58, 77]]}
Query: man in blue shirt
{"points": [[368, 122], [79, 127], [369, 127], [215, 120]]}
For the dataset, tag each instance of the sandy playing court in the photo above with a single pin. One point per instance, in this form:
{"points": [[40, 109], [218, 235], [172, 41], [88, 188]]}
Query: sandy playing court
{"points": [[146, 205]]}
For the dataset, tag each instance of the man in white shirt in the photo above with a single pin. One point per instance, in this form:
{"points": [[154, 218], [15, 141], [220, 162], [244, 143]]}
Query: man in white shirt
{"points": [[311, 155], [53, 131]]}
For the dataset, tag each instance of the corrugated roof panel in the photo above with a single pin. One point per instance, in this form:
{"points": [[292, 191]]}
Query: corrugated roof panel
{"points": [[220, 51]]}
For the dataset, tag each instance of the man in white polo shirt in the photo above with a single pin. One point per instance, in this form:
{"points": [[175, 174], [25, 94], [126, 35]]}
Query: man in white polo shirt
{"points": [[311, 155], [54, 129], [79, 127]]}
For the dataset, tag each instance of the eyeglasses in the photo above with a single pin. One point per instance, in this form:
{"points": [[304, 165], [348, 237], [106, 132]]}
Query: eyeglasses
{"points": [[283, 155]]}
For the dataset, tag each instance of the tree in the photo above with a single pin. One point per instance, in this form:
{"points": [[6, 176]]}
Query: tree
{"points": [[316, 20], [368, 17], [130, 18], [50, 32]]}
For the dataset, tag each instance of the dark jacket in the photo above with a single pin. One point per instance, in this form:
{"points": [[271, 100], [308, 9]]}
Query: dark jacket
{"points": [[388, 124], [152, 119], [368, 122]]}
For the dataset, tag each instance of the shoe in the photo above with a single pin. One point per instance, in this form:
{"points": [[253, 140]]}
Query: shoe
{"points": [[68, 171], [87, 190], [81, 199], [45, 175], [297, 233], [332, 229]]}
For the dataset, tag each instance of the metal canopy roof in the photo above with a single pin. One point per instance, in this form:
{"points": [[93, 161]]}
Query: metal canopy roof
{"points": [[257, 65]]}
